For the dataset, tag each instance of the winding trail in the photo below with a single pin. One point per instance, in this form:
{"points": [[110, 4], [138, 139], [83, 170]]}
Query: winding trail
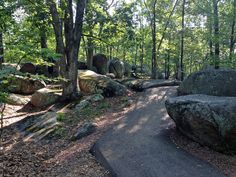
{"points": [[139, 145]]}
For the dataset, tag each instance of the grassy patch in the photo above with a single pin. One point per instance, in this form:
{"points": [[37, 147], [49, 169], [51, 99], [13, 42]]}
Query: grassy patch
{"points": [[60, 117]]}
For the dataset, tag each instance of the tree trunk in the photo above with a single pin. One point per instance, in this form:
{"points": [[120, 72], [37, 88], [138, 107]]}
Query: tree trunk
{"points": [[43, 39], [70, 49], [90, 53], [142, 56], [216, 32], [232, 36], [209, 21], [1, 50], [181, 64], [136, 54], [154, 60], [110, 53]]}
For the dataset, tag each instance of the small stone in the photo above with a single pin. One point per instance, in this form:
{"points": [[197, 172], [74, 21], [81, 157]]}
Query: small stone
{"points": [[95, 98], [85, 130], [82, 105]]}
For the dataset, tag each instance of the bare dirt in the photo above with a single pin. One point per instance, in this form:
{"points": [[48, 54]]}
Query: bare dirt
{"points": [[226, 163], [58, 156]]}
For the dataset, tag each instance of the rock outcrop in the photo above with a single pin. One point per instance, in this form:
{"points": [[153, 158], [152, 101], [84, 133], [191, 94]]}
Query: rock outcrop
{"points": [[142, 84], [45, 97], [128, 69], [24, 85], [28, 68], [16, 99], [221, 82], [209, 120], [100, 63], [91, 82], [116, 67]]}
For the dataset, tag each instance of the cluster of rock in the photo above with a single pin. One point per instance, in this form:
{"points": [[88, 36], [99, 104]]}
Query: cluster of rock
{"points": [[91, 82], [114, 68], [39, 69], [205, 109]]}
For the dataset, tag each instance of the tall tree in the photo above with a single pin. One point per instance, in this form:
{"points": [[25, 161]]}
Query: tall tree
{"points": [[216, 34], [181, 62], [1, 49], [232, 36], [154, 51], [69, 49]]}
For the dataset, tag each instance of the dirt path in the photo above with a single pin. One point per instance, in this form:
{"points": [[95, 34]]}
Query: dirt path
{"points": [[140, 145]]}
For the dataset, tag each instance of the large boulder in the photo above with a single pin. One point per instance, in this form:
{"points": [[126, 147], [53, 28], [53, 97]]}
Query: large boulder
{"points": [[128, 69], [82, 65], [116, 67], [91, 82], [16, 99], [100, 63], [42, 70], [221, 82], [28, 68], [45, 97], [143, 84], [143, 70], [24, 85], [209, 120]]}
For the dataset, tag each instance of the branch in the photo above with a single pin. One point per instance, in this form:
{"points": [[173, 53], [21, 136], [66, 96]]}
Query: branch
{"points": [[167, 24], [87, 35]]}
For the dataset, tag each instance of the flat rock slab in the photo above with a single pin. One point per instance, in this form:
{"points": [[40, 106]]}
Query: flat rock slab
{"points": [[139, 145], [141, 84]]}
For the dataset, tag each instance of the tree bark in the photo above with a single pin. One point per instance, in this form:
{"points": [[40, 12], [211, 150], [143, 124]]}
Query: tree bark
{"points": [[90, 53], [216, 33], [181, 64], [43, 39], [232, 36], [209, 22], [1, 50], [154, 60], [70, 49]]}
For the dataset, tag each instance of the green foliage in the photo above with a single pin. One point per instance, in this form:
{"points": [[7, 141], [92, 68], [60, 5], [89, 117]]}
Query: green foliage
{"points": [[3, 97], [122, 30], [60, 116]]}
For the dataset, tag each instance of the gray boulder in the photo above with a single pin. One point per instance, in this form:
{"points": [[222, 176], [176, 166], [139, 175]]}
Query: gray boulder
{"points": [[100, 63], [24, 85], [16, 99], [91, 83], [128, 69], [82, 65], [209, 120], [45, 97], [28, 68], [88, 100], [143, 84], [116, 67], [86, 129], [221, 82]]}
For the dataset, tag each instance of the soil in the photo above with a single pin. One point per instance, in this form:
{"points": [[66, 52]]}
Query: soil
{"points": [[58, 155], [226, 163]]}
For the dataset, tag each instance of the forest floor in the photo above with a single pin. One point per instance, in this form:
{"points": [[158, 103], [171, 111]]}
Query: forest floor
{"points": [[59, 156]]}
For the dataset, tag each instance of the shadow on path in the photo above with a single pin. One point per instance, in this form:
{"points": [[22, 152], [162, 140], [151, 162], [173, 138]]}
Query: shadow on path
{"points": [[139, 145]]}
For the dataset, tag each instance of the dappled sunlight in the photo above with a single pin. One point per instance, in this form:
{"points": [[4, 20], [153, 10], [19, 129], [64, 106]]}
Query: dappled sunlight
{"points": [[138, 126]]}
